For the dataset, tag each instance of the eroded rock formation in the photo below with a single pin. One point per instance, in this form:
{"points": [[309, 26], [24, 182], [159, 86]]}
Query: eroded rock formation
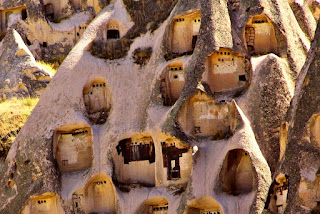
{"points": [[198, 124]]}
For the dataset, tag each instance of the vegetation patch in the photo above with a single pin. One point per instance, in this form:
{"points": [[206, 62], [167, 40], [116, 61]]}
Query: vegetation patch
{"points": [[112, 49], [51, 67], [13, 115], [144, 12], [142, 56]]}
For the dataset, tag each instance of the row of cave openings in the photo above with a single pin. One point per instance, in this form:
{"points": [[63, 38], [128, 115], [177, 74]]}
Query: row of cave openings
{"points": [[201, 115], [225, 70], [99, 196], [73, 150], [258, 34]]}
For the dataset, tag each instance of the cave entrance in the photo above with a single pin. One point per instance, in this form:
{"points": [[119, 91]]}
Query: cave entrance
{"points": [[202, 116], [113, 30], [184, 32], [260, 35], [204, 205], [97, 100], [135, 160], [47, 203], [113, 34], [171, 158], [172, 83], [98, 196], [155, 205], [225, 71], [73, 148], [237, 173], [49, 11], [277, 197], [24, 14]]}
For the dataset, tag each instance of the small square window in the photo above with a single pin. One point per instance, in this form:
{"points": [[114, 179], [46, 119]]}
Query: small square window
{"points": [[242, 78]]}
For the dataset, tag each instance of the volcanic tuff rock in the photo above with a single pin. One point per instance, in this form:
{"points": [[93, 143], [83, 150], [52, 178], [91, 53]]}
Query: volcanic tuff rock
{"points": [[20, 74], [116, 136]]}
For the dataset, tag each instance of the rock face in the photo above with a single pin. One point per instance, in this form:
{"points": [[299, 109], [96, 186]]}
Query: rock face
{"points": [[51, 28], [300, 162], [182, 114], [20, 75]]}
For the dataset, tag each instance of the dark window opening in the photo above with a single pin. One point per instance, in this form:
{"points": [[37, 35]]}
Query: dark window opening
{"points": [[49, 11], [113, 34], [78, 34], [197, 130], [65, 162], [242, 78], [77, 204], [175, 76], [28, 42], [194, 41], [260, 21], [136, 152], [24, 14], [171, 153], [44, 44]]}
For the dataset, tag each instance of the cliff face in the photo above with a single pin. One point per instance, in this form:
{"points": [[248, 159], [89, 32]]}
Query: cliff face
{"points": [[301, 157], [20, 75], [178, 108]]}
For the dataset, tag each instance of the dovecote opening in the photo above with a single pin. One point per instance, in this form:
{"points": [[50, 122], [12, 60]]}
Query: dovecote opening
{"points": [[79, 31], [97, 196], [204, 205], [226, 70], [113, 31], [155, 205], [49, 11], [177, 160], [47, 203], [97, 100], [172, 82], [24, 14], [237, 173], [184, 32], [277, 197], [135, 160], [202, 116], [73, 147], [260, 35]]}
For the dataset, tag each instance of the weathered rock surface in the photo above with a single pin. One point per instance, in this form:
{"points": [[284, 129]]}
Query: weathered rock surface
{"points": [[20, 74], [181, 172]]}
